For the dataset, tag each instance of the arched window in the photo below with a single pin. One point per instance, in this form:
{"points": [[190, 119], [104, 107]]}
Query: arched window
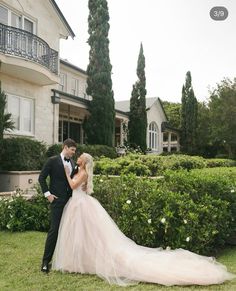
{"points": [[153, 136]]}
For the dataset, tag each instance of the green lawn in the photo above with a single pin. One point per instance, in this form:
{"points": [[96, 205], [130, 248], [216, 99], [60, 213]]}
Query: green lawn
{"points": [[20, 258]]}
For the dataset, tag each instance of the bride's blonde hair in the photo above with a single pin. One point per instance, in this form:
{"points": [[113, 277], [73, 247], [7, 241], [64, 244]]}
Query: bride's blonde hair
{"points": [[89, 171]]}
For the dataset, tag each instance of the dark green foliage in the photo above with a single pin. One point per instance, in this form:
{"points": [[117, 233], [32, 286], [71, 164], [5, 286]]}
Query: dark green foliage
{"points": [[150, 165], [137, 126], [192, 210], [99, 126], [22, 154], [173, 112], [93, 150], [19, 214], [188, 117], [168, 212], [222, 107]]}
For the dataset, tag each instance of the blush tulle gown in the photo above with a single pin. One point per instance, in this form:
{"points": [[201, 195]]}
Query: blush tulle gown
{"points": [[90, 242]]}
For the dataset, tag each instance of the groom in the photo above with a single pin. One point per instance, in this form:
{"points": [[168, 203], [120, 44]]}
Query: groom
{"points": [[57, 194]]}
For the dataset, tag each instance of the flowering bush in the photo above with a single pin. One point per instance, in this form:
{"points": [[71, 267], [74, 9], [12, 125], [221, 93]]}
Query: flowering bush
{"points": [[19, 214], [155, 214], [193, 210]]}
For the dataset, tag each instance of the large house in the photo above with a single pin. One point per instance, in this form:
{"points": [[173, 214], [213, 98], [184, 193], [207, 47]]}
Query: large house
{"points": [[46, 95]]}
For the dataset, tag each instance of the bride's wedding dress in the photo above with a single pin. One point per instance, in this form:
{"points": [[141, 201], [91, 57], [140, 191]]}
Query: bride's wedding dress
{"points": [[90, 242]]}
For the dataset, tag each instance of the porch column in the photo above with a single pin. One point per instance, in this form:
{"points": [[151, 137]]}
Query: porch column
{"points": [[178, 143], [121, 133], [169, 141]]}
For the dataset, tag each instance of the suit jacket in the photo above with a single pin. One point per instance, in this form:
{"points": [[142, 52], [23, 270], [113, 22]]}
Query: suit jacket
{"points": [[58, 184]]}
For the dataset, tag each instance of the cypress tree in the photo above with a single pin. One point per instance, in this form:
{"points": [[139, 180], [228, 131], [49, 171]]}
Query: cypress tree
{"points": [[188, 117], [99, 126], [138, 116]]}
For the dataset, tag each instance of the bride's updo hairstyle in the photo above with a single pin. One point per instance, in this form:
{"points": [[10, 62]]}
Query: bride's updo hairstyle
{"points": [[89, 170]]}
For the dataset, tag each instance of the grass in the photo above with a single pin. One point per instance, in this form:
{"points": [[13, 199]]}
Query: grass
{"points": [[20, 258]]}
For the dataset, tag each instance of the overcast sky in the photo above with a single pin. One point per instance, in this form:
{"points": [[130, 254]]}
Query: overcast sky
{"points": [[177, 36]]}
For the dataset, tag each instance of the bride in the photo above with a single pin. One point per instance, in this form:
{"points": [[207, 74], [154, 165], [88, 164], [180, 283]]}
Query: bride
{"points": [[90, 242]]}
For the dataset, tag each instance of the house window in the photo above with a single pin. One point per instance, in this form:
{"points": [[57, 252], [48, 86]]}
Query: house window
{"points": [[69, 129], [62, 85], [3, 15], [8, 17], [74, 87], [22, 111], [153, 135], [28, 25]]}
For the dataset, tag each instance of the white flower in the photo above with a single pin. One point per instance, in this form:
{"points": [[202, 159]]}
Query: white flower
{"points": [[232, 191], [163, 220], [8, 226], [168, 248], [185, 221], [149, 220], [128, 201], [151, 232], [101, 180], [188, 239]]}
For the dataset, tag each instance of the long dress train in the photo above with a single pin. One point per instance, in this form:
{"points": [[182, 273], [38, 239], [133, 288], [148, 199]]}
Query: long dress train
{"points": [[90, 242]]}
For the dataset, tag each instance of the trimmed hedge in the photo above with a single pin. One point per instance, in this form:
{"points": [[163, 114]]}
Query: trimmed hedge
{"points": [[173, 211], [94, 150], [193, 210], [154, 165], [22, 154]]}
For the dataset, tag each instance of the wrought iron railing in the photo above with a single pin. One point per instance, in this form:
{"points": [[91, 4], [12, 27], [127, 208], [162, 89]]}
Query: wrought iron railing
{"points": [[18, 42]]}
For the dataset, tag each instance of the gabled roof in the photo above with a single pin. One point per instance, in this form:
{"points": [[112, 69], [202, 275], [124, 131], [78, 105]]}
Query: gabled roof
{"points": [[125, 105], [62, 18], [67, 63]]}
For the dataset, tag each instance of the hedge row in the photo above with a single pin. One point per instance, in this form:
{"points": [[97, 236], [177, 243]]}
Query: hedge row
{"points": [[24, 154], [193, 210], [155, 165]]}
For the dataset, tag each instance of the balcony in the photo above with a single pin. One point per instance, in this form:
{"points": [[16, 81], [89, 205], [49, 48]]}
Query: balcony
{"points": [[27, 56]]}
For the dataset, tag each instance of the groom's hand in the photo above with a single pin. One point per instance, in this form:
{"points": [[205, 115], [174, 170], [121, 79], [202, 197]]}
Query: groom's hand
{"points": [[51, 198]]}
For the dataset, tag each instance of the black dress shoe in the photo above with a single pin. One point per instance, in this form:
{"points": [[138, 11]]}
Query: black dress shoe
{"points": [[45, 267]]}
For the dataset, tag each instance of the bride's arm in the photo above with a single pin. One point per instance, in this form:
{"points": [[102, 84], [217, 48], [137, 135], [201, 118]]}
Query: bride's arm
{"points": [[80, 178]]}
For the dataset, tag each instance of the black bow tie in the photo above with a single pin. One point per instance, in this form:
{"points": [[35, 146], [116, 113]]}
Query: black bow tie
{"points": [[67, 160]]}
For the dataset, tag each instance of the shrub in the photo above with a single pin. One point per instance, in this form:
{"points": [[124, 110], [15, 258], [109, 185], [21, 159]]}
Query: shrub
{"points": [[94, 150], [153, 214], [19, 214], [22, 154], [211, 163]]}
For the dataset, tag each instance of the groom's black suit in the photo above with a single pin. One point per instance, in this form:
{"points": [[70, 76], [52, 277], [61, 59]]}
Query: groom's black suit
{"points": [[58, 186]]}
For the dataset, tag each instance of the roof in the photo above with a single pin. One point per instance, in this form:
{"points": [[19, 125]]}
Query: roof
{"points": [[62, 18], [65, 62], [125, 105]]}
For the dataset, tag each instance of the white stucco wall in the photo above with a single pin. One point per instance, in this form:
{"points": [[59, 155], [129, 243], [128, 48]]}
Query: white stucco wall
{"points": [[155, 114], [43, 14], [43, 108]]}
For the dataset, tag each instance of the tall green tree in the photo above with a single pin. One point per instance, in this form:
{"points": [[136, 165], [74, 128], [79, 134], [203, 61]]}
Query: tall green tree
{"points": [[205, 146], [100, 124], [173, 112], [137, 126], [222, 105], [188, 117]]}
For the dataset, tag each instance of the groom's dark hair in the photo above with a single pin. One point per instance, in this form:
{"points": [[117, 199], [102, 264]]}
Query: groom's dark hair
{"points": [[69, 142]]}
